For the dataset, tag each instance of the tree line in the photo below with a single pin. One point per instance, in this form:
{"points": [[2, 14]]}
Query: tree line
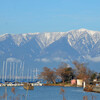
{"points": [[66, 73]]}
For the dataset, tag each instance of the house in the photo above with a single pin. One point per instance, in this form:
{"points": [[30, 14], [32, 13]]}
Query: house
{"points": [[73, 81], [79, 82]]}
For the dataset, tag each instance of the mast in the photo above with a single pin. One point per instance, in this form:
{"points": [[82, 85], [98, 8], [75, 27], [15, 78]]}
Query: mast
{"points": [[36, 73], [3, 72], [33, 74], [10, 70], [20, 70], [13, 70], [16, 71], [6, 71], [23, 70], [27, 75], [30, 75]]}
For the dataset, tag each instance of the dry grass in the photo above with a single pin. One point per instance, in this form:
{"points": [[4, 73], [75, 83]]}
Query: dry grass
{"points": [[14, 97], [62, 92]]}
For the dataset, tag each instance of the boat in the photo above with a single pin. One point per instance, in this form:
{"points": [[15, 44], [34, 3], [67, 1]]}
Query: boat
{"points": [[89, 88], [96, 89], [92, 88], [37, 84], [28, 86]]}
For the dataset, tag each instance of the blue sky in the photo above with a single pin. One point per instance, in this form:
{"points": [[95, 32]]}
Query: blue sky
{"points": [[24, 16]]}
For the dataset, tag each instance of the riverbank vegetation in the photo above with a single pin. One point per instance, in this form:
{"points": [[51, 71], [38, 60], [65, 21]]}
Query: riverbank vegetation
{"points": [[65, 73]]}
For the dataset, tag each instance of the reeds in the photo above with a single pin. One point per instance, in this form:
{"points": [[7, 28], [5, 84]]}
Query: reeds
{"points": [[87, 98], [62, 92], [14, 97]]}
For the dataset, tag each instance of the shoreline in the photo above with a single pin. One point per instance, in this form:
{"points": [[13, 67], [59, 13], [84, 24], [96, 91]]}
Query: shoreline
{"points": [[60, 84]]}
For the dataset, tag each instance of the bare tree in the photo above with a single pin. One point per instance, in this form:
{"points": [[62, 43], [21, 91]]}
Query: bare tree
{"points": [[82, 72], [65, 72], [48, 75]]}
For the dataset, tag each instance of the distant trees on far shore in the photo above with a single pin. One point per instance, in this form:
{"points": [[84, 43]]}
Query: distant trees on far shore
{"points": [[66, 73]]}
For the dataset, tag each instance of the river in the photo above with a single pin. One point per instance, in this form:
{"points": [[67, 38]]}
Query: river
{"points": [[47, 93]]}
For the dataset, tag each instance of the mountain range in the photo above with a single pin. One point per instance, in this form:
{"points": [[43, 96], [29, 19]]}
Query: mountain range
{"points": [[51, 48]]}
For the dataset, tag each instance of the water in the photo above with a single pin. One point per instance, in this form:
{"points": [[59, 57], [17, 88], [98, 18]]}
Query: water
{"points": [[48, 93]]}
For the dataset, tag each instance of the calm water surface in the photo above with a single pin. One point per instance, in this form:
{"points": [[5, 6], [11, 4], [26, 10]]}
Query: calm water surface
{"points": [[48, 93]]}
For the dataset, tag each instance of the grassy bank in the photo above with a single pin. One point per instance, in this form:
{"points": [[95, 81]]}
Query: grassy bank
{"points": [[59, 84]]}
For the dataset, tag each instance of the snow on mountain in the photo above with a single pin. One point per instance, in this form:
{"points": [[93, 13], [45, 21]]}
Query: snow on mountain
{"points": [[75, 35], [4, 36], [23, 38], [45, 39], [84, 44], [39, 48], [81, 39], [86, 30], [95, 35], [96, 50]]}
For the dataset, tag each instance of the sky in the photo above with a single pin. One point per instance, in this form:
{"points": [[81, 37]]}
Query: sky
{"points": [[29, 16]]}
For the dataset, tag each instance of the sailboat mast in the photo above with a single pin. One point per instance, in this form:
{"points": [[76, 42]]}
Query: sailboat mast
{"points": [[6, 71], [13, 70], [16, 71], [23, 70], [10, 70], [20, 70], [36, 73], [30, 75], [27, 75], [3, 72], [33, 74]]}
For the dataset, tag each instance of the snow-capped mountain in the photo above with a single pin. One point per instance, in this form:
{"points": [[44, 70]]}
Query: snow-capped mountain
{"points": [[51, 47]]}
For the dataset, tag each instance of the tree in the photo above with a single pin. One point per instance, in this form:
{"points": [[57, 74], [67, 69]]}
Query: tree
{"points": [[65, 72], [48, 75], [98, 77], [82, 72], [93, 76]]}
